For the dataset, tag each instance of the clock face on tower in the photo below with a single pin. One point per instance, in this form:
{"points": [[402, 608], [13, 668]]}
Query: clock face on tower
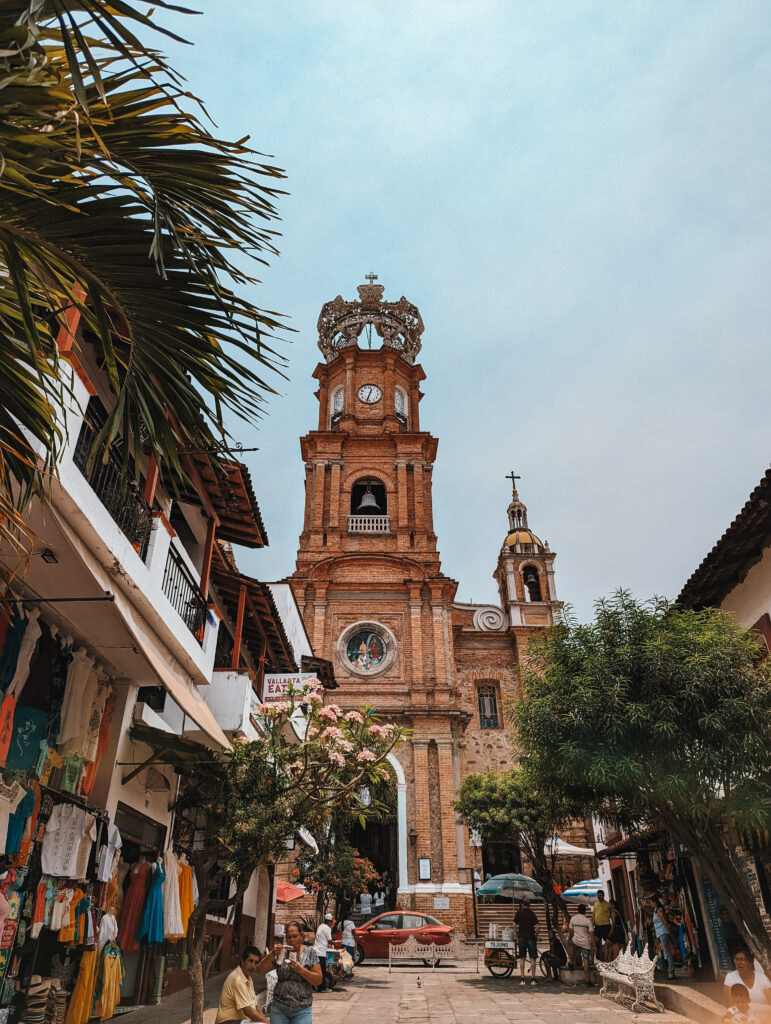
{"points": [[370, 393]]}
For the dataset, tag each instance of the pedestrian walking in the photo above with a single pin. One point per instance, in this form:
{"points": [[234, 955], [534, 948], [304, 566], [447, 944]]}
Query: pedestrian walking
{"points": [[617, 939], [527, 935], [365, 902], [582, 936], [321, 945], [601, 918], [661, 928], [348, 937], [297, 975]]}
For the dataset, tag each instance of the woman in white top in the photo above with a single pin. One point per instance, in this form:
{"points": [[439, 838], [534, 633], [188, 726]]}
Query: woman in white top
{"points": [[751, 975], [365, 899]]}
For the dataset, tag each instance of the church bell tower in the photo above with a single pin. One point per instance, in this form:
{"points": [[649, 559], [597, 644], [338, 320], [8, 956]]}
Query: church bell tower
{"points": [[369, 581]]}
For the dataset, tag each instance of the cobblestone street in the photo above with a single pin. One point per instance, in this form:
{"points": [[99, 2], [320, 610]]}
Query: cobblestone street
{"points": [[452, 996]]}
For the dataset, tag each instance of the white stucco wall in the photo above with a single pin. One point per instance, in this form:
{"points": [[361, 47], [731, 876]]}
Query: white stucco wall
{"points": [[751, 599], [291, 619]]}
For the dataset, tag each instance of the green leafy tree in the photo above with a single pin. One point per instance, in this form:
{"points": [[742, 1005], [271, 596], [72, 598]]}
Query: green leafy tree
{"points": [[246, 802], [510, 806], [119, 203], [660, 717]]}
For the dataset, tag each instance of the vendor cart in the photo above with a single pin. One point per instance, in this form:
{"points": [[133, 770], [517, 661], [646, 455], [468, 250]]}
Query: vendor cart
{"points": [[500, 957]]}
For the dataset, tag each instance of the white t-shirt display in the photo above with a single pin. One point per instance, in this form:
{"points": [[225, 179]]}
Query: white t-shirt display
{"points": [[65, 830], [79, 692], [107, 853], [108, 930], [760, 986], [27, 649], [323, 938]]}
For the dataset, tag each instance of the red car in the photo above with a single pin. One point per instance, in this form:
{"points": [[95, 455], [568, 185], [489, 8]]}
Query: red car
{"points": [[373, 937]]}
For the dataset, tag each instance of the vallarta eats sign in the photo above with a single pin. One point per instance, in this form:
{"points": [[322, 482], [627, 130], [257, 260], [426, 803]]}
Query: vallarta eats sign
{"points": [[276, 685]]}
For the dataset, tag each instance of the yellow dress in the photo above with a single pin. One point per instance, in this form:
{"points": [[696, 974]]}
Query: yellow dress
{"points": [[112, 976], [186, 904], [82, 998]]}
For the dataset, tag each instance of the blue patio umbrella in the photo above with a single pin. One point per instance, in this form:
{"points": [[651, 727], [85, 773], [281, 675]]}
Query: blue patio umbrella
{"points": [[586, 890], [511, 884]]}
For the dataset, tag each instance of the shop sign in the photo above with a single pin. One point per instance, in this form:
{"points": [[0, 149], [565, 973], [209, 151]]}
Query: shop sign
{"points": [[276, 685], [715, 917]]}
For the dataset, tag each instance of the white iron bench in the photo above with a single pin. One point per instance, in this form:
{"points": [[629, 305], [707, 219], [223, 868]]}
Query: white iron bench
{"points": [[431, 953], [632, 977]]}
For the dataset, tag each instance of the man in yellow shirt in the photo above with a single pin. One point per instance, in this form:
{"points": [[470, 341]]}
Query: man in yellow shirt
{"points": [[238, 1001], [601, 914]]}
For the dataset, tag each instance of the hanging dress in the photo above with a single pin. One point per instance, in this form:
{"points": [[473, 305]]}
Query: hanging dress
{"points": [[110, 977], [82, 999], [172, 912], [133, 905], [151, 929], [186, 904]]}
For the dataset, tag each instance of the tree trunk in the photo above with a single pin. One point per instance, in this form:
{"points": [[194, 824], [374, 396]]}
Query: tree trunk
{"points": [[195, 969]]}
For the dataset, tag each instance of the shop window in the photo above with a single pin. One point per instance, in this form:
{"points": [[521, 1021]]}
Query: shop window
{"points": [[532, 583], [487, 701]]}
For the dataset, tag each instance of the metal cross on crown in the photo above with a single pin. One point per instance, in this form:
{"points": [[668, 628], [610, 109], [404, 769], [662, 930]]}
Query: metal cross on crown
{"points": [[371, 277]]}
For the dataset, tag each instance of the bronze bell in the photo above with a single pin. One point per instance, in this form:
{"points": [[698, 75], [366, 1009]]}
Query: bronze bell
{"points": [[368, 503]]}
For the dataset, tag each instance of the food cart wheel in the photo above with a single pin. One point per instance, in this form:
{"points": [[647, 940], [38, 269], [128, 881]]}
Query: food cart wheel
{"points": [[499, 963]]}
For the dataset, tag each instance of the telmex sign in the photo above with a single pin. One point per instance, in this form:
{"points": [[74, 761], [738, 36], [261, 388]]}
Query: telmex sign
{"points": [[275, 686]]}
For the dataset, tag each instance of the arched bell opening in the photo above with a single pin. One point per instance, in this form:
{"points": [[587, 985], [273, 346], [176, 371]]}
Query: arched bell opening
{"points": [[368, 498], [532, 582]]}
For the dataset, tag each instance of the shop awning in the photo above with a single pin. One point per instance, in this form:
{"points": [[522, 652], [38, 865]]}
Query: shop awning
{"points": [[557, 847], [182, 691], [229, 489], [286, 892], [631, 844]]}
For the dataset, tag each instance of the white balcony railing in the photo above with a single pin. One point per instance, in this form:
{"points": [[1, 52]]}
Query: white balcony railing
{"points": [[368, 524]]}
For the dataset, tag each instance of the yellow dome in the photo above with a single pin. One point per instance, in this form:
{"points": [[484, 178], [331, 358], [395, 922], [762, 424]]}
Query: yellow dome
{"points": [[523, 537]]}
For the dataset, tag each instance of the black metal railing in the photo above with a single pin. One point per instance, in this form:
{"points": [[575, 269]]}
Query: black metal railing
{"points": [[183, 592], [120, 496]]}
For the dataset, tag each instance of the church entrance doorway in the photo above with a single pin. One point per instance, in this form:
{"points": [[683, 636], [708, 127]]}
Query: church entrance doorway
{"points": [[377, 839], [500, 858]]}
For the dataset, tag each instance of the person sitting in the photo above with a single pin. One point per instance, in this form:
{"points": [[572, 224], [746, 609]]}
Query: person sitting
{"points": [[740, 1012], [238, 1000], [748, 973], [556, 957]]}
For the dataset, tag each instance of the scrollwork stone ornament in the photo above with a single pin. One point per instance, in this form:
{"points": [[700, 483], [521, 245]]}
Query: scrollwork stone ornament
{"points": [[488, 618], [399, 324]]}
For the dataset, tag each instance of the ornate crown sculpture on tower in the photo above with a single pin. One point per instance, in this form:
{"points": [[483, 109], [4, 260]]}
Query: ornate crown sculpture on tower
{"points": [[399, 324]]}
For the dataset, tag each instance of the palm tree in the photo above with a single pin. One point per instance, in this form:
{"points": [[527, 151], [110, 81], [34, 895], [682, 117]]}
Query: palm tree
{"points": [[119, 205]]}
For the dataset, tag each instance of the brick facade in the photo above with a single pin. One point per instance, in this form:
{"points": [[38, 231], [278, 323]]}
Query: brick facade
{"points": [[384, 572]]}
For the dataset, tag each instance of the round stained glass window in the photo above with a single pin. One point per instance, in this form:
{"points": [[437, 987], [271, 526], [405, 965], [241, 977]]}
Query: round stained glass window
{"points": [[366, 650]]}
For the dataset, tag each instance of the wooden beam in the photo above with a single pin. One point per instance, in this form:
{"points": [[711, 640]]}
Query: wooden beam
{"points": [[211, 529], [151, 480], [258, 622], [65, 338], [236, 656]]}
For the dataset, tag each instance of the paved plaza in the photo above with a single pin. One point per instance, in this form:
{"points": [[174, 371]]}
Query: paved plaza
{"points": [[453, 996]]}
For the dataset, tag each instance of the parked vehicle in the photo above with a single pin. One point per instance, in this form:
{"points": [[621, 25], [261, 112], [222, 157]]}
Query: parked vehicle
{"points": [[372, 938]]}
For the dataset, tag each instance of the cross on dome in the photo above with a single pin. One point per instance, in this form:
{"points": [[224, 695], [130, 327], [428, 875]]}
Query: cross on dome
{"points": [[371, 277]]}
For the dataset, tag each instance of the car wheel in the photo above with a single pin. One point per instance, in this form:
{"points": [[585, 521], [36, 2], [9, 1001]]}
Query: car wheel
{"points": [[500, 964], [358, 956]]}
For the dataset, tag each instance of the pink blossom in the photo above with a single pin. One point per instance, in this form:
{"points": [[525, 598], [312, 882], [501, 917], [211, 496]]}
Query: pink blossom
{"points": [[296, 764], [379, 730], [345, 745], [337, 759], [332, 733], [365, 755], [336, 708], [313, 731], [329, 714], [281, 707], [354, 716]]}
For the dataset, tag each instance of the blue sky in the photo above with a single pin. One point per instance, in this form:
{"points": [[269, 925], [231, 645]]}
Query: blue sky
{"points": [[577, 196]]}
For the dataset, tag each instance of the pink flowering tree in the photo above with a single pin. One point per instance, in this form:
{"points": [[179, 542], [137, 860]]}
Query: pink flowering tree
{"points": [[308, 765]]}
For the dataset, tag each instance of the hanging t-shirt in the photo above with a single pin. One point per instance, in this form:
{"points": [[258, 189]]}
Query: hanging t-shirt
{"points": [[18, 820], [29, 731], [26, 650], [61, 843], [10, 798], [79, 692], [86, 845], [12, 645], [107, 853], [72, 769]]}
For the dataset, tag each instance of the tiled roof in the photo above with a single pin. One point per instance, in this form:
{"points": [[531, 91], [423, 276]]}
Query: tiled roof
{"points": [[740, 547]]}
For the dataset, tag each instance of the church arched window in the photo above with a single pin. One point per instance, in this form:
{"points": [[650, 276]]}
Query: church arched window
{"points": [[400, 407], [336, 407], [532, 583]]}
